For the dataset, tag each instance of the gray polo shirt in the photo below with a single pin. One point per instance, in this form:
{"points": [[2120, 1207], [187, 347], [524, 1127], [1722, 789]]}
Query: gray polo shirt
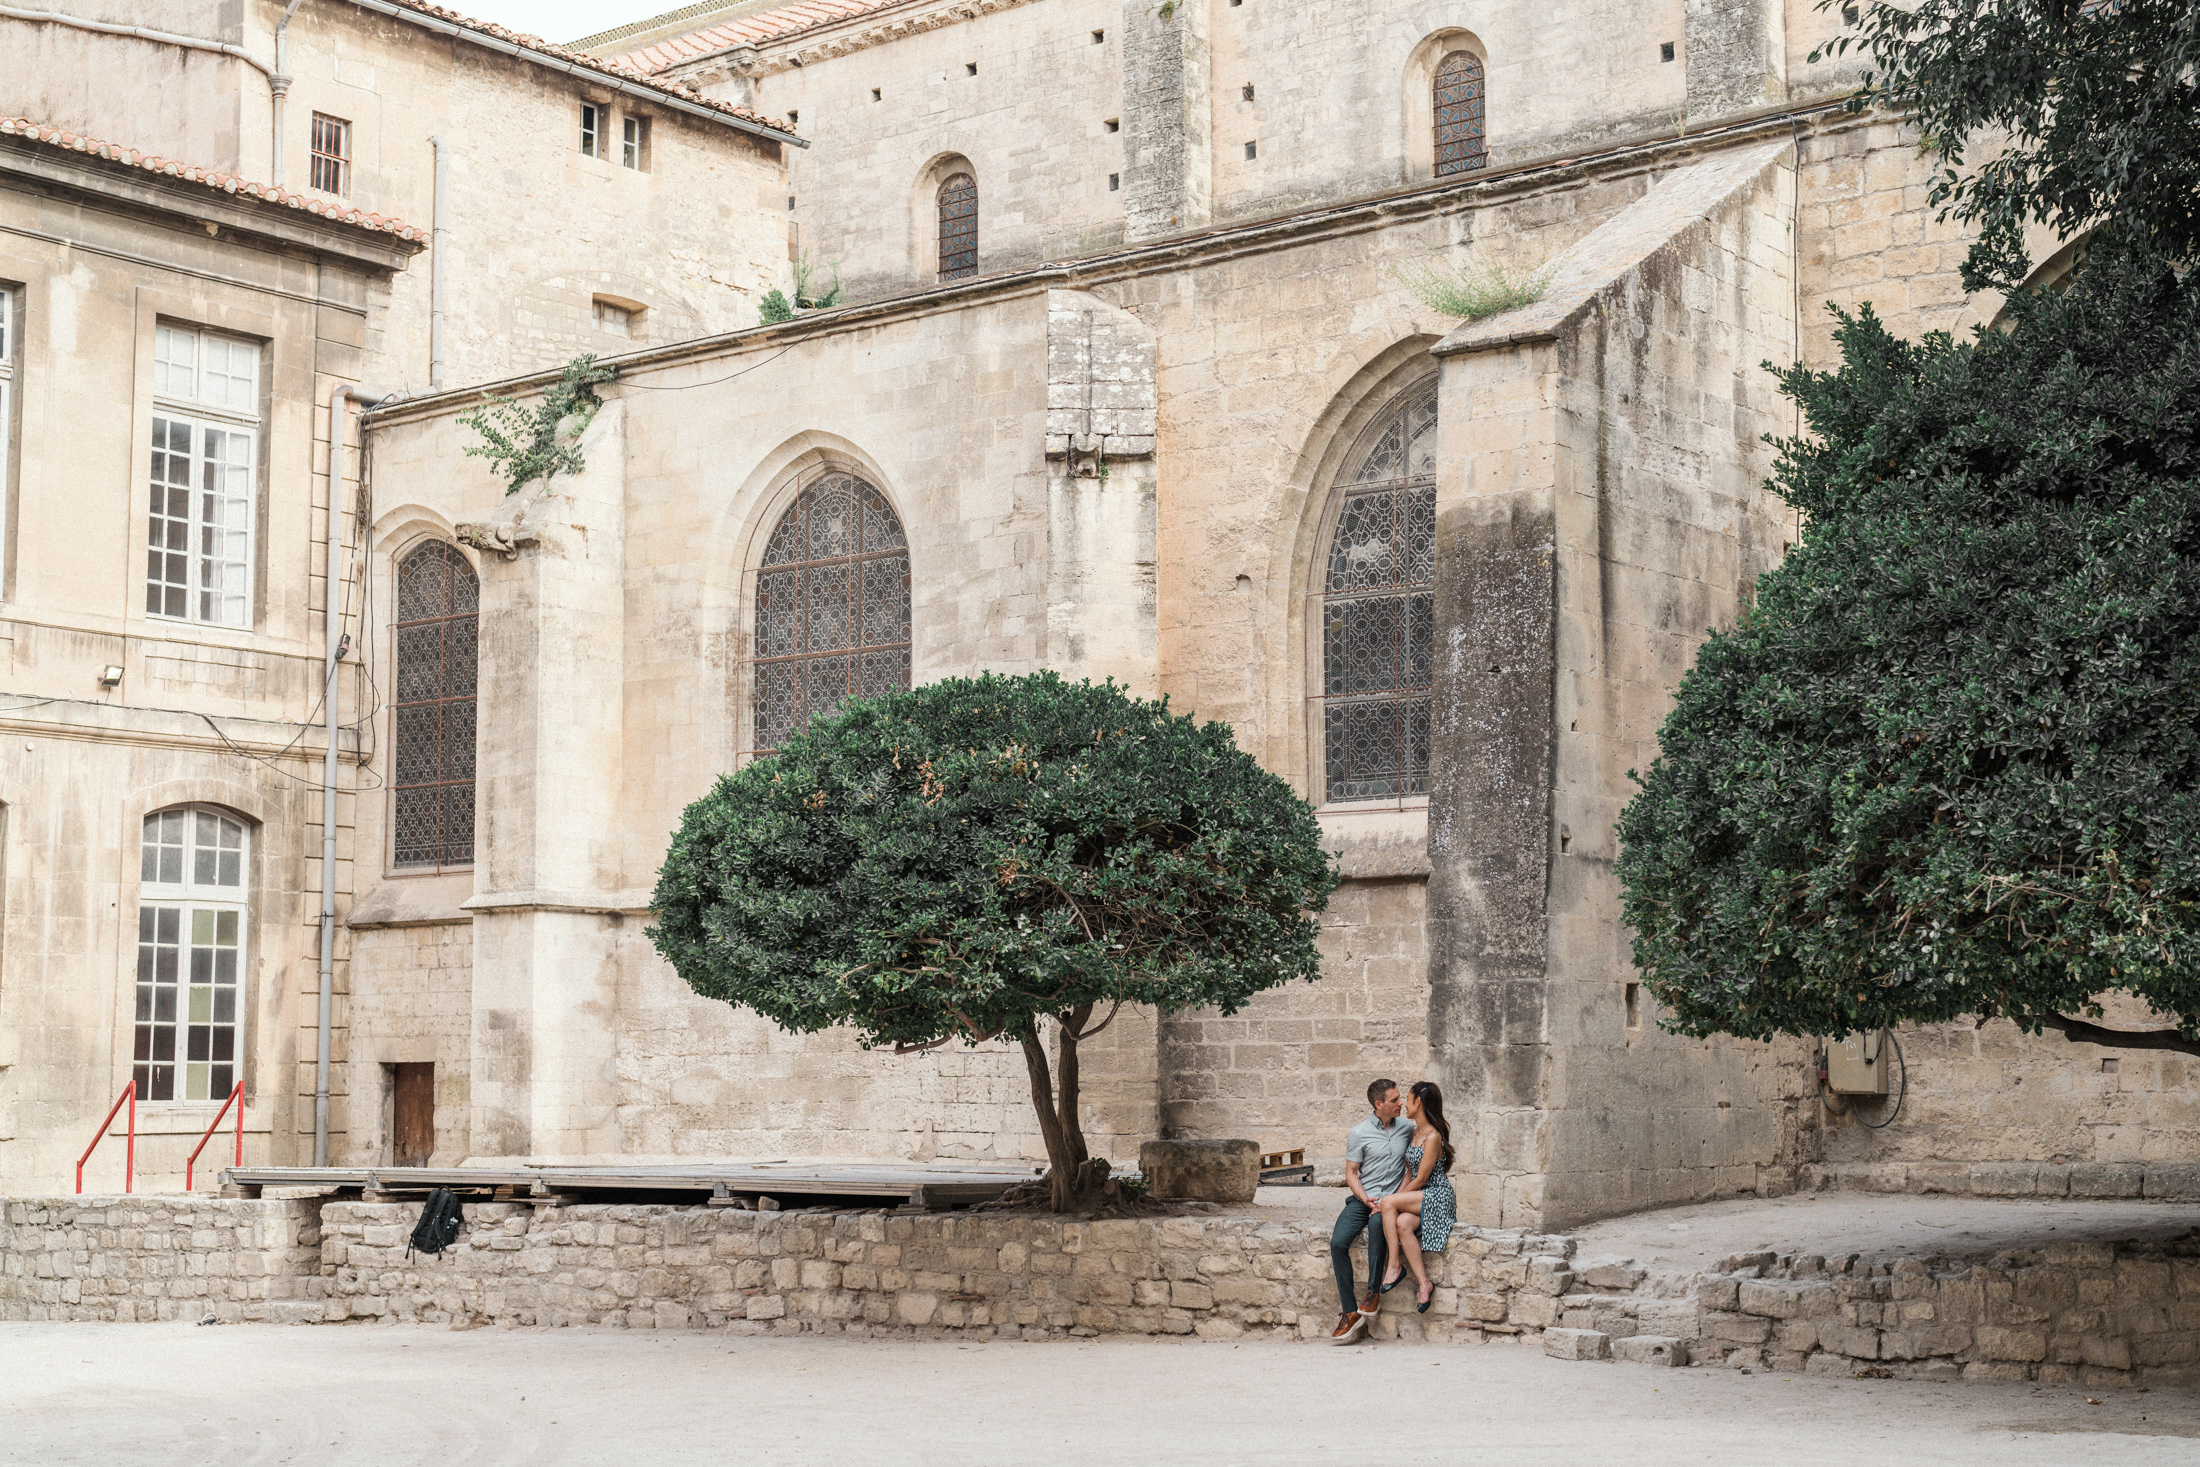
{"points": [[1381, 1153]]}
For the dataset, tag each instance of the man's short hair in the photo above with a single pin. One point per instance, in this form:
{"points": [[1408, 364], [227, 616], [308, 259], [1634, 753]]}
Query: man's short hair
{"points": [[1377, 1089]]}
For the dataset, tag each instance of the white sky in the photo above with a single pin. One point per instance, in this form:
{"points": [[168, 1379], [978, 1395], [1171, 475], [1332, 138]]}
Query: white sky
{"points": [[562, 20]]}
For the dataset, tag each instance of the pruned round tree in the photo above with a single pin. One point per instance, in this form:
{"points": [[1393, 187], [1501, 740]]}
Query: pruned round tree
{"points": [[969, 859], [1948, 764]]}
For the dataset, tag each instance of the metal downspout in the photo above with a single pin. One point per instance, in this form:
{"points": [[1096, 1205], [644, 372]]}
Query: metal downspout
{"points": [[435, 263], [278, 83], [330, 698]]}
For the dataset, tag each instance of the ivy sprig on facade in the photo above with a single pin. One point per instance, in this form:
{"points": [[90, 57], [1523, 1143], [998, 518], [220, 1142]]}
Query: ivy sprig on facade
{"points": [[523, 443]]}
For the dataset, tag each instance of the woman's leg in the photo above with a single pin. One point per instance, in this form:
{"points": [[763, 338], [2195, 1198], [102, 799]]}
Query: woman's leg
{"points": [[1409, 1242], [1395, 1206]]}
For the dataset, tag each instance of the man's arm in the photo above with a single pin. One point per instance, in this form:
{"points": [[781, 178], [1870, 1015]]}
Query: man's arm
{"points": [[1352, 1180]]}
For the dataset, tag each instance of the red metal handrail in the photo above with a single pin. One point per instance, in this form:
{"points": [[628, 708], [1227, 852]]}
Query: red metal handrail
{"points": [[129, 1162], [236, 1098]]}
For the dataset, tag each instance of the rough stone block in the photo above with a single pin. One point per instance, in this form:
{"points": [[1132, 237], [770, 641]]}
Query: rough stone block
{"points": [[1650, 1350], [2107, 1179], [1200, 1171], [1719, 1294], [1617, 1275], [1736, 1329], [2173, 1181], [1577, 1344]]}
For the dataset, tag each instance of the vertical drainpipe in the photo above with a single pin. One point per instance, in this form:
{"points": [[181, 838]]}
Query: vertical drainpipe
{"points": [[330, 690], [435, 263], [278, 82]]}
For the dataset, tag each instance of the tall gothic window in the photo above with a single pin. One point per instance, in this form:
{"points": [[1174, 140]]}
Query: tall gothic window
{"points": [[191, 940], [958, 227], [1461, 139], [1379, 609], [832, 606], [432, 788]]}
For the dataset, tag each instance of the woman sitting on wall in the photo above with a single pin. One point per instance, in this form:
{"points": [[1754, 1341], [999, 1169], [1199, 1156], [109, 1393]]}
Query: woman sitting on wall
{"points": [[1418, 1217]]}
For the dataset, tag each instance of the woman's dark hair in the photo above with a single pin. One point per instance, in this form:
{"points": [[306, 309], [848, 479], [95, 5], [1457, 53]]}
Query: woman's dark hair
{"points": [[1432, 1111]]}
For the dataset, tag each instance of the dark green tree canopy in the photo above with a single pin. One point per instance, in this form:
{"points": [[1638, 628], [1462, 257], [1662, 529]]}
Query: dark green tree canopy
{"points": [[969, 858], [2098, 102], [1949, 763]]}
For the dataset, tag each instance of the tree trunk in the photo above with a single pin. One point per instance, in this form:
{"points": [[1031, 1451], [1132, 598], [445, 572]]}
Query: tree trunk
{"points": [[1070, 1175], [2078, 1031]]}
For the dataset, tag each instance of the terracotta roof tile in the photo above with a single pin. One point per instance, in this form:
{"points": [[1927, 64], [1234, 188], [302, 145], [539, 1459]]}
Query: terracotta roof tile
{"points": [[752, 30], [624, 67], [334, 210]]}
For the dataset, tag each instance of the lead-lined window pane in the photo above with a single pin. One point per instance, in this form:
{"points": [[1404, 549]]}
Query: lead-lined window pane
{"points": [[1461, 143], [1378, 609], [432, 767], [958, 209], [832, 607]]}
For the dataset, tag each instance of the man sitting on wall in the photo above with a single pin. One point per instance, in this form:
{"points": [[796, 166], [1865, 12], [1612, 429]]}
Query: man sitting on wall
{"points": [[1374, 1167]]}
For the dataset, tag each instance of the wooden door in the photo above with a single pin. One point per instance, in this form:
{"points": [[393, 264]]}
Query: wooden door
{"points": [[413, 1124]]}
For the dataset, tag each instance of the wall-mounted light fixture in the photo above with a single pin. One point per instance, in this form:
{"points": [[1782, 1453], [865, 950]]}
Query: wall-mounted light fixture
{"points": [[110, 676]]}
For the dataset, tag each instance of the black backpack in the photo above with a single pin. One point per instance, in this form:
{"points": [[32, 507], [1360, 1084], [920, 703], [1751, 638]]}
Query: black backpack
{"points": [[439, 1223]]}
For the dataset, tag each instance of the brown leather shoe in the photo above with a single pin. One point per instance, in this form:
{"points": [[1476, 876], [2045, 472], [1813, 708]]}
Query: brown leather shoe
{"points": [[1348, 1328]]}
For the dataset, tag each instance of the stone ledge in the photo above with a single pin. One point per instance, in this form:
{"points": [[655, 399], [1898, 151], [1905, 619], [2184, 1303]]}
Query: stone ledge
{"points": [[2166, 1181]]}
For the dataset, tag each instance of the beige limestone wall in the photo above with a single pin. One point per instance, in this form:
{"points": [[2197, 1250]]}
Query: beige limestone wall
{"points": [[207, 714], [536, 230], [111, 1258], [1290, 1070]]}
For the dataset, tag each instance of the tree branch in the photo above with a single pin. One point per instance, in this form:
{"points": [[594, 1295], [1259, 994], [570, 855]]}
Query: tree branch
{"points": [[2078, 1031]]}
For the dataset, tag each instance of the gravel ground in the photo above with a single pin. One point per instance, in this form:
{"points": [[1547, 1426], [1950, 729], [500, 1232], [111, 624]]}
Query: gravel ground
{"points": [[125, 1394]]}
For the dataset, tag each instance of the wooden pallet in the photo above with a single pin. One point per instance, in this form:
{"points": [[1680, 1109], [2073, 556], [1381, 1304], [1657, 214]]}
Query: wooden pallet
{"points": [[724, 1184]]}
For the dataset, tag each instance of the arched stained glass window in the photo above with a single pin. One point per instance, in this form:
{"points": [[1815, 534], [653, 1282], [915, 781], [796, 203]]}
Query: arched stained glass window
{"points": [[958, 226], [1461, 139], [191, 947], [432, 787], [832, 606], [1379, 609]]}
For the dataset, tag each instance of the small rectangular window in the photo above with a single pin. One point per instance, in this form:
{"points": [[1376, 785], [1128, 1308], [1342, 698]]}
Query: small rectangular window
{"points": [[634, 143], [875, 94], [331, 154], [794, 119], [614, 320], [1252, 150], [595, 131], [204, 476], [1248, 92], [1113, 124], [1115, 181], [970, 68], [1098, 37], [1634, 1006], [1665, 51]]}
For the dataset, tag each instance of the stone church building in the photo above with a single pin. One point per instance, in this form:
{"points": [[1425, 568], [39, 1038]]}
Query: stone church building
{"points": [[1125, 380]]}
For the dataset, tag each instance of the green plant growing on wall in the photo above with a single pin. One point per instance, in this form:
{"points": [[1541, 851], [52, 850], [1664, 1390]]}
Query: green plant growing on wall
{"points": [[524, 444], [996, 858], [776, 308], [1472, 290]]}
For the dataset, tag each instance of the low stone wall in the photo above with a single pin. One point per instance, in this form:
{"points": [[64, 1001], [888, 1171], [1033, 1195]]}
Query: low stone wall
{"points": [[137, 1258], [2089, 1313], [983, 1274], [2167, 1181]]}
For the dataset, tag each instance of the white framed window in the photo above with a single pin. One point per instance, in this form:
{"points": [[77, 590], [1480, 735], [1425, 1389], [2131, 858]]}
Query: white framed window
{"points": [[595, 130], [191, 953], [634, 142], [203, 476], [331, 154]]}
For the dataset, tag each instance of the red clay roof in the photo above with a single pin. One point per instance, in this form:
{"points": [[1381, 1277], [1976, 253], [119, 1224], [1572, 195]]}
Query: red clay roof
{"points": [[334, 210], [751, 30], [625, 67]]}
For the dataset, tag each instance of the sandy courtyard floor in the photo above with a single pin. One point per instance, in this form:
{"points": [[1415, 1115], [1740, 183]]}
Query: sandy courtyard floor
{"points": [[127, 1394]]}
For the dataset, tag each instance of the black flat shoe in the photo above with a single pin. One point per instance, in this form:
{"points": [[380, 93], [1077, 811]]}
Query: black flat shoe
{"points": [[1386, 1288], [1422, 1307]]}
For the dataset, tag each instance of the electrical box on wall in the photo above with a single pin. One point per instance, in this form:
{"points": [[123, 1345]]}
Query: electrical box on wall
{"points": [[1858, 1064]]}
